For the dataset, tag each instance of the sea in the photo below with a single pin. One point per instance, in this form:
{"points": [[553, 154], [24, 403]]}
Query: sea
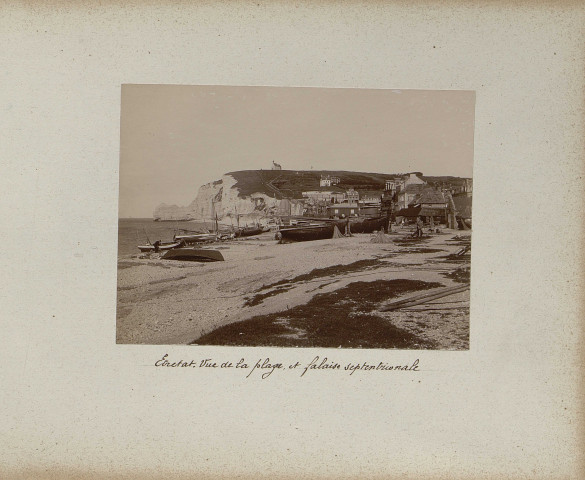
{"points": [[138, 231]]}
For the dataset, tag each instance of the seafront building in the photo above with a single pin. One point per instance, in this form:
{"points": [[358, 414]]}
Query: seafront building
{"points": [[343, 210]]}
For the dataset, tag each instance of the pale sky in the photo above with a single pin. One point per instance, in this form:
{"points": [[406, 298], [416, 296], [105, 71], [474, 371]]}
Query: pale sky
{"points": [[176, 138]]}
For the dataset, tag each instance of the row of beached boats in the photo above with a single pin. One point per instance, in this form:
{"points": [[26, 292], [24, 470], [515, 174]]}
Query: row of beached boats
{"points": [[189, 237], [187, 245], [326, 229]]}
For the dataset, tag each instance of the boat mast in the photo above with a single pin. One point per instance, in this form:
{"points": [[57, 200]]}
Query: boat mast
{"points": [[213, 215], [148, 239]]}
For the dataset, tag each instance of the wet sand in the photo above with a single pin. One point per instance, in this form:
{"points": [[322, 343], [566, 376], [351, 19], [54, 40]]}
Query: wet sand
{"points": [[179, 302]]}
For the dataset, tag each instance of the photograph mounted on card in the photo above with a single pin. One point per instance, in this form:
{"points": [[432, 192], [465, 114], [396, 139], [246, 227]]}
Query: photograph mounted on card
{"points": [[295, 217]]}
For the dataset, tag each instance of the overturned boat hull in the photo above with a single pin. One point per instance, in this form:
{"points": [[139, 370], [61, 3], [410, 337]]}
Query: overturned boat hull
{"points": [[194, 255]]}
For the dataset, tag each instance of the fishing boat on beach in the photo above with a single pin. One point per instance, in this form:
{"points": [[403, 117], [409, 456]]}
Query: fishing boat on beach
{"points": [[213, 233], [306, 231], [367, 225], [149, 247], [192, 254], [311, 232], [195, 237], [248, 231]]}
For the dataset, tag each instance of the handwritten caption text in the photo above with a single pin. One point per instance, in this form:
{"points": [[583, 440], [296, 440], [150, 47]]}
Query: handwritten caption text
{"points": [[265, 367]]}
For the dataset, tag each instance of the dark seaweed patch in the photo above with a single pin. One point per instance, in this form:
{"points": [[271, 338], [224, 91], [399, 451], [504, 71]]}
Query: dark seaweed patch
{"points": [[287, 284], [328, 272], [259, 298], [341, 318], [460, 275], [453, 258]]}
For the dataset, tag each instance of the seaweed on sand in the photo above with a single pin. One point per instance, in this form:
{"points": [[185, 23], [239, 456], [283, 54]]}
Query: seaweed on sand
{"points": [[287, 284], [343, 318]]}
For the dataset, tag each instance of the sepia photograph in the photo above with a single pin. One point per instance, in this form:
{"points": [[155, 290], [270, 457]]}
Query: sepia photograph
{"points": [[295, 217], [248, 231]]}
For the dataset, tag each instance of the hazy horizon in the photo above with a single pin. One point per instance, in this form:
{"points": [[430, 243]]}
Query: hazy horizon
{"points": [[176, 138]]}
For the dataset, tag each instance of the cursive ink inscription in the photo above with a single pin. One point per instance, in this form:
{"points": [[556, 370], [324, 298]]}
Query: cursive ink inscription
{"points": [[163, 362], [381, 366], [264, 367], [323, 365]]}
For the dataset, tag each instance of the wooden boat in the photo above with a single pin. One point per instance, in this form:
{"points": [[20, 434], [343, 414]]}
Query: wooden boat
{"points": [[196, 237], [303, 234], [249, 231], [162, 246], [191, 254], [158, 219], [367, 225]]}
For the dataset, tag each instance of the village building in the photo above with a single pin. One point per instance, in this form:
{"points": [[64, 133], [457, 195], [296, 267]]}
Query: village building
{"points": [[433, 205], [327, 196], [431, 198], [290, 206], [427, 203], [370, 203], [352, 196], [317, 201], [372, 197], [343, 210], [408, 194], [405, 188], [394, 185], [328, 180], [368, 210]]}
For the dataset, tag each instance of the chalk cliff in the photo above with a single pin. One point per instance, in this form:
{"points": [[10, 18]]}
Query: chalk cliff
{"points": [[225, 198]]}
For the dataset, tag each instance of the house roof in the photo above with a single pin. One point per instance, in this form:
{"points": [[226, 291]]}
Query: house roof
{"points": [[415, 187], [431, 195]]}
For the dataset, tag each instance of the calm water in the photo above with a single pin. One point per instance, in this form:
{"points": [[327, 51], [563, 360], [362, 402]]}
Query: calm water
{"points": [[133, 232]]}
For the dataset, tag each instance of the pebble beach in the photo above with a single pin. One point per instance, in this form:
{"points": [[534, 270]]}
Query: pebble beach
{"points": [[180, 302]]}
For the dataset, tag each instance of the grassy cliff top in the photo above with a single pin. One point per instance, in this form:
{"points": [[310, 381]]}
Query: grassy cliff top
{"points": [[291, 183]]}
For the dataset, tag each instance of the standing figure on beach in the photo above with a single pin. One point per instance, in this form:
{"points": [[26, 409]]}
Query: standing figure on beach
{"points": [[156, 245], [419, 227]]}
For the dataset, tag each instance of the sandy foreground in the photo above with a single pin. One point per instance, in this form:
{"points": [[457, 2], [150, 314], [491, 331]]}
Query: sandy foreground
{"points": [[179, 302]]}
